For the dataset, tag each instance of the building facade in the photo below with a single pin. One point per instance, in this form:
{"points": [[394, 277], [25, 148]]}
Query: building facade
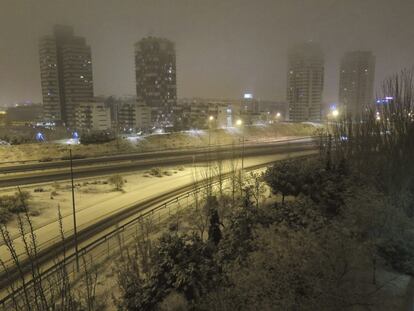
{"points": [[92, 117], [305, 79], [356, 83], [134, 117], [156, 84], [195, 112], [66, 74]]}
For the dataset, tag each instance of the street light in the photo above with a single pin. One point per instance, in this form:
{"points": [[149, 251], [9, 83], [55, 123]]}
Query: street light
{"points": [[75, 235], [335, 113], [210, 121], [239, 123]]}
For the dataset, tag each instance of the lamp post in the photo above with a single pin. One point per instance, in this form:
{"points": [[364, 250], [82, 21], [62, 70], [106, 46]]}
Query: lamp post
{"points": [[210, 121], [74, 211], [239, 123]]}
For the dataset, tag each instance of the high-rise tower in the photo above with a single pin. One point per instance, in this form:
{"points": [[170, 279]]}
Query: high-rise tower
{"points": [[356, 83], [305, 82], [156, 82], [66, 74]]}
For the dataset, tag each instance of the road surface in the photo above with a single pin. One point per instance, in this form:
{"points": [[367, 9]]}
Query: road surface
{"points": [[92, 167]]}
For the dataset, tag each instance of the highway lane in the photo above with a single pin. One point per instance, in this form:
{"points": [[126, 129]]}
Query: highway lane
{"points": [[94, 169], [160, 154]]}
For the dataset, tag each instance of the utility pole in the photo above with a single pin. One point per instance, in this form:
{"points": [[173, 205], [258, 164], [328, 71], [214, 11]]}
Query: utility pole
{"points": [[242, 164], [210, 121], [117, 126], [74, 211]]}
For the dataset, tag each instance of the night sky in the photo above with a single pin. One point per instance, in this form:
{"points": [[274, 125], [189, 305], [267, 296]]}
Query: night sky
{"points": [[224, 47]]}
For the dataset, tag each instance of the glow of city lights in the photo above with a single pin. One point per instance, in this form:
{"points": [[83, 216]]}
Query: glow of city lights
{"points": [[335, 113], [239, 122], [278, 115], [211, 118], [248, 96]]}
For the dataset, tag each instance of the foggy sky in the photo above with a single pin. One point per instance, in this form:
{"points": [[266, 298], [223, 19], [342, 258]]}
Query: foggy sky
{"points": [[224, 47]]}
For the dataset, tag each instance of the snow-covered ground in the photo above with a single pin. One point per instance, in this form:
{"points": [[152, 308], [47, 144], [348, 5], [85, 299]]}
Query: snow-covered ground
{"points": [[96, 201], [189, 139]]}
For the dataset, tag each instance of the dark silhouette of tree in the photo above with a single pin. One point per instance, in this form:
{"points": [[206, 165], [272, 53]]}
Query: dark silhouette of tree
{"points": [[214, 232], [283, 177]]}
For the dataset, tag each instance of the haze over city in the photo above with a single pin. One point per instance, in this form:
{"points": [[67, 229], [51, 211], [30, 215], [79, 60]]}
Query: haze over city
{"points": [[224, 48], [196, 155]]}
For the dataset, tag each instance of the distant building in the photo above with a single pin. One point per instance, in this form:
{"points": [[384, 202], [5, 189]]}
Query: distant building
{"points": [[134, 117], [275, 110], [195, 112], [66, 74], [93, 117], [305, 78], [3, 115], [356, 83], [250, 104], [24, 114], [156, 84]]}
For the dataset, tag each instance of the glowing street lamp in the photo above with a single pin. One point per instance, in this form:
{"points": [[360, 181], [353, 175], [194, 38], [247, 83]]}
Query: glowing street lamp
{"points": [[211, 118], [335, 113], [239, 122], [278, 115]]}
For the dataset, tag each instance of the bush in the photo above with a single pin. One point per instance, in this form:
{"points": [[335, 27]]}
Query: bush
{"points": [[5, 215], [96, 138], [117, 181], [157, 172], [398, 254], [15, 203]]}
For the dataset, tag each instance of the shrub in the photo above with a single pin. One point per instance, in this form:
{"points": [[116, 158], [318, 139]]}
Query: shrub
{"points": [[157, 172], [96, 138], [15, 203], [117, 181], [5, 215]]}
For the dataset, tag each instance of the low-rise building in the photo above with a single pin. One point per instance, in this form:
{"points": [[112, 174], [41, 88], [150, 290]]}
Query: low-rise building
{"points": [[133, 116], [24, 114], [195, 112], [92, 116]]}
